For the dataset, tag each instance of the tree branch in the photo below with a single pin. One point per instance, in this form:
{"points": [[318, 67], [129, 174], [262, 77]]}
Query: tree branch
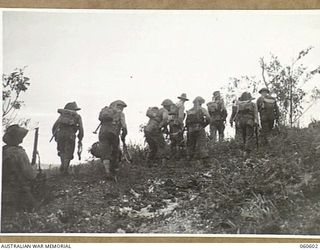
{"points": [[262, 64], [11, 107]]}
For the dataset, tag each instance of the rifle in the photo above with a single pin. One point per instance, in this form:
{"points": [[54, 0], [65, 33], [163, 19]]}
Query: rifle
{"points": [[35, 146], [39, 183], [256, 132], [126, 152], [79, 150], [54, 133]]}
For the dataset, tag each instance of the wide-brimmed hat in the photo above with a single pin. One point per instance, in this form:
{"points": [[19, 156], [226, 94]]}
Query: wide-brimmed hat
{"points": [[183, 97], [167, 102], [72, 106], [14, 134], [246, 96], [118, 103], [264, 90], [199, 100]]}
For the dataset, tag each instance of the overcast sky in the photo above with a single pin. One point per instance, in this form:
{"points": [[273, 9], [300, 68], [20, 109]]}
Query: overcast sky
{"points": [[142, 57]]}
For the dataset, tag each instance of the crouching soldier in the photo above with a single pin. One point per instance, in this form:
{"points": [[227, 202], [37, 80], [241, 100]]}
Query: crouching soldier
{"points": [[197, 119], [248, 121], [64, 131], [154, 130], [113, 124], [17, 176]]}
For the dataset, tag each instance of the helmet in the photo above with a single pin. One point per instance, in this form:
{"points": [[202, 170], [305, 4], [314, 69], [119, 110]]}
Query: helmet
{"points": [[118, 103], [216, 93], [264, 90], [199, 100], [72, 106], [166, 102]]}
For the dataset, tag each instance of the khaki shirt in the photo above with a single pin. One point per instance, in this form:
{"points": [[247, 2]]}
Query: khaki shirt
{"points": [[181, 109], [17, 169]]}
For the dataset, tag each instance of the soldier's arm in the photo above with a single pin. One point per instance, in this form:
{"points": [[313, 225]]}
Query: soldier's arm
{"points": [[123, 126], [256, 116], [259, 104], [224, 114], [165, 118], [55, 127], [206, 116], [80, 124], [123, 121], [181, 114], [277, 112], [22, 167], [233, 114]]}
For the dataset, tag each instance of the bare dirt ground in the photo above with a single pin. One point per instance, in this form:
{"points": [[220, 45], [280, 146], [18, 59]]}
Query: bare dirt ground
{"points": [[274, 191]]}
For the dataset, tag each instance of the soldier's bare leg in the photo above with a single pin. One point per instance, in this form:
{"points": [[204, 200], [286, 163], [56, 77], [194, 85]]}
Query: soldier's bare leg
{"points": [[221, 128], [213, 132]]}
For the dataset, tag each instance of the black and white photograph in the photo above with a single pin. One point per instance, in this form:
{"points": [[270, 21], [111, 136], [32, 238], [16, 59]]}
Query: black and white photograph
{"points": [[161, 122]]}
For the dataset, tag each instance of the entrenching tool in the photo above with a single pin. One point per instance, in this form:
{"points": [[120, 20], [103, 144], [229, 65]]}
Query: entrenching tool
{"points": [[256, 132], [96, 131], [54, 134]]}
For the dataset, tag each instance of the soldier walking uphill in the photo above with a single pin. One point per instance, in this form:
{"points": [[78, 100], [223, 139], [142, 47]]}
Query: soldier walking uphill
{"points": [[233, 119], [197, 119], [112, 124], [64, 131], [247, 116], [17, 176], [269, 113], [157, 125], [176, 126], [218, 115]]}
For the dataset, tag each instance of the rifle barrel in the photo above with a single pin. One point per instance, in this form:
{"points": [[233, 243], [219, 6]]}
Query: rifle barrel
{"points": [[35, 147]]}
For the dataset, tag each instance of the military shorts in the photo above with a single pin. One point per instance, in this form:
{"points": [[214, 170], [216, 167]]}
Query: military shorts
{"points": [[176, 135], [197, 144], [66, 142], [109, 145], [156, 144]]}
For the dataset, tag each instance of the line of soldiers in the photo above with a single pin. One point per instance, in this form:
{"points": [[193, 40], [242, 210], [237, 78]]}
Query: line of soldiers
{"points": [[170, 120], [244, 116]]}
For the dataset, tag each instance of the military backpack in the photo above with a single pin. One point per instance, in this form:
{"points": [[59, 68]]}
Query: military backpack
{"points": [[194, 116], [153, 112], [68, 117], [214, 107], [268, 107], [107, 114], [95, 150], [174, 110]]}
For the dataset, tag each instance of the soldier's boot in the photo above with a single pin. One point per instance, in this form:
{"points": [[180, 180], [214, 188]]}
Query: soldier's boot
{"points": [[61, 169], [106, 165], [221, 137]]}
